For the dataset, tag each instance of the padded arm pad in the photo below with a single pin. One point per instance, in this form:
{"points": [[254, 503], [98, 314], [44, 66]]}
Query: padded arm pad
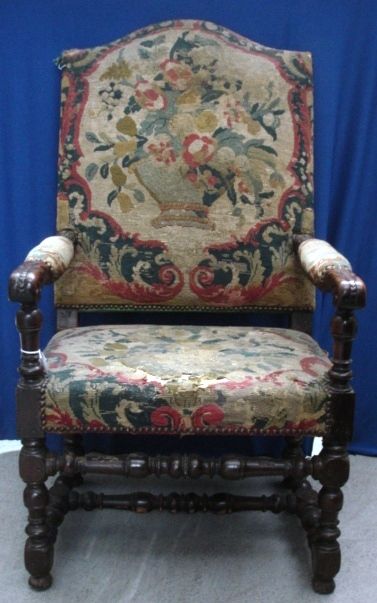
{"points": [[42, 265], [331, 271], [318, 257], [57, 252]]}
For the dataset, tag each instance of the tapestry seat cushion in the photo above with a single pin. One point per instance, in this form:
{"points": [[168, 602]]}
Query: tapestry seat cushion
{"points": [[186, 379]]}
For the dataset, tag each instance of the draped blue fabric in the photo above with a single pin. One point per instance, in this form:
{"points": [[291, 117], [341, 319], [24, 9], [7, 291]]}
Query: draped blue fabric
{"points": [[340, 34]]}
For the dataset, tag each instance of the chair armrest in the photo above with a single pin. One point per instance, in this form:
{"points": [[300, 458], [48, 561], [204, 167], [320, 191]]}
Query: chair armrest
{"points": [[44, 264], [330, 271]]}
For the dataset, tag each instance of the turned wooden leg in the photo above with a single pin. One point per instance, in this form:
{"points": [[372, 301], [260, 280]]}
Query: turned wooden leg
{"points": [[307, 509], [59, 493], [73, 444], [326, 557], [294, 451], [39, 548]]}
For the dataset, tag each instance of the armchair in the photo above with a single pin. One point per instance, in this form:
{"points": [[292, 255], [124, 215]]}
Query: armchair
{"points": [[185, 184]]}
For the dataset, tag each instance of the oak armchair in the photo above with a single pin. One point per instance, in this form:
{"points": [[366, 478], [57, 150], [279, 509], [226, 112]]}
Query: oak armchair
{"points": [[185, 184]]}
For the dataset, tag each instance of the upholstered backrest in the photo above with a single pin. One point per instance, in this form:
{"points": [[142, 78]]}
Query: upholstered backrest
{"points": [[185, 169]]}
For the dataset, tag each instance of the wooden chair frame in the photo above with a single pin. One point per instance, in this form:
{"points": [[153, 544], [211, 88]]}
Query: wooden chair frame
{"points": [[318, 511]]}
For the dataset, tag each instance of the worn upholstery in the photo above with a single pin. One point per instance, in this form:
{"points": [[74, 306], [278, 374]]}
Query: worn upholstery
{"points": [[57, 252], [185, 169], [184, 379], [318, 257]]}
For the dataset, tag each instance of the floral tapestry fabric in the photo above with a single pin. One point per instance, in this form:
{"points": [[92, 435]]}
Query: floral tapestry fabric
{"points": [[185, 167], [187, 379]]}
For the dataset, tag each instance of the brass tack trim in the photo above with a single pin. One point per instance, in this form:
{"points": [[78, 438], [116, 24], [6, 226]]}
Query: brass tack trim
{"points": [[183, 308]]}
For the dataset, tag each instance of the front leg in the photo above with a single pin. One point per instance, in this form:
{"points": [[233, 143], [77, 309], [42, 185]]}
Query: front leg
{"points": [[39, 551], [333, 473]]}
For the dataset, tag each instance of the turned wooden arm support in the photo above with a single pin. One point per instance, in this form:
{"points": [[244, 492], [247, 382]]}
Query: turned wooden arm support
{"points": [[27, 280], [42, 266], [330, 272]]}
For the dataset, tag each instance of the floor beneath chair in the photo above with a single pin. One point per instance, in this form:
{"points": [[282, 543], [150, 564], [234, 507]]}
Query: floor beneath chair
{"points": [[161, 558]]}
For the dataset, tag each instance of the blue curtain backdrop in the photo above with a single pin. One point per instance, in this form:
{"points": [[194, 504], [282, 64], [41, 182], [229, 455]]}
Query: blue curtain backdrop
{"points": [[341, 34]]}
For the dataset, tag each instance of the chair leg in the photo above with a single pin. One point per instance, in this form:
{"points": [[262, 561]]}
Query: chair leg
{"points": [[39, 551], [294, 451], [325, 547], [73, 444], [59, 492]]}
